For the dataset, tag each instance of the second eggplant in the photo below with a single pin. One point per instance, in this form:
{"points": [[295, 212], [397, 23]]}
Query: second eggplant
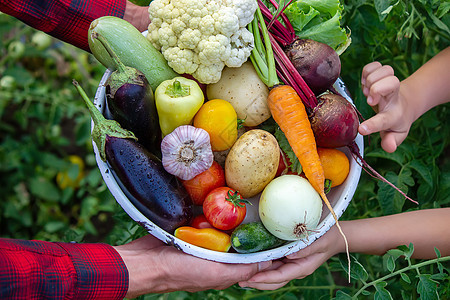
{"points": [[130, 101]]}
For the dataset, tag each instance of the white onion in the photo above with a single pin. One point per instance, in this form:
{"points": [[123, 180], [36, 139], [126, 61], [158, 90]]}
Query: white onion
{"points": [[290, 208]]}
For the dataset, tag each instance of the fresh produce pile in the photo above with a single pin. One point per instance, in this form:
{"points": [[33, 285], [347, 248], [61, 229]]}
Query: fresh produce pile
{"points": [[221, 102]]}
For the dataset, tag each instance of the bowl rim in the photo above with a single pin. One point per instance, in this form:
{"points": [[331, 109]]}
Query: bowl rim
{"points": [[347, 189]]}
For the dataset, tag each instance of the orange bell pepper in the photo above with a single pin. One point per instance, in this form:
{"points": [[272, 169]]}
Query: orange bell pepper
{"points": [[209, 238]]}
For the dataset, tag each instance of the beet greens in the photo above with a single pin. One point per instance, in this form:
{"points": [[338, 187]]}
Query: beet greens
{"points": [[271, 63]]}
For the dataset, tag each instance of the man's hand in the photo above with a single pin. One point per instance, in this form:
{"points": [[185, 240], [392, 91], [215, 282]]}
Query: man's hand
{"points": [[137, 15], [155, 267]]}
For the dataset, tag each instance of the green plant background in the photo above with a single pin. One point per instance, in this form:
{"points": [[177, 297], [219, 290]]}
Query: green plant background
{"points": [[43, 121]]}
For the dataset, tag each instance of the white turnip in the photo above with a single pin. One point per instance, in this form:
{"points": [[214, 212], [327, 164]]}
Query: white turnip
{"points": [[290, 208]]}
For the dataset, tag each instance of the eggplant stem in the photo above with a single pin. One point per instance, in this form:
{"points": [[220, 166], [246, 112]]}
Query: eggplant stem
{"points": [[102, 126]]}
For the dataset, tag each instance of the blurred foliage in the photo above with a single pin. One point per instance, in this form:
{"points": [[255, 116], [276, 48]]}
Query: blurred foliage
{"points": [[43, 122]]}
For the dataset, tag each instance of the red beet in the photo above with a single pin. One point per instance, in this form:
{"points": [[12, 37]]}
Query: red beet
{"points": [[334, 121], [316, 62]]}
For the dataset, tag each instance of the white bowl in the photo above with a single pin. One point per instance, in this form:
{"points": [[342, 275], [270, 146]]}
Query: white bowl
{"points": [[339, 197]]}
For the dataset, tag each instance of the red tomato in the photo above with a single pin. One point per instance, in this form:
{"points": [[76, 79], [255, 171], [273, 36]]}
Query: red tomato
{"points": [[281, 166], [284, 164], [224, 208], [200, 222], [199, 186]]}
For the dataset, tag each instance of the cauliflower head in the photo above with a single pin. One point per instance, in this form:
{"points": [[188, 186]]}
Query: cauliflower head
{"points": [[201, 37]]}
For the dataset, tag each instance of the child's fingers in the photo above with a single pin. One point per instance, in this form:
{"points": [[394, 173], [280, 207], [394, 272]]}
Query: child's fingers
{"points": [[390, 140], [379, 73], [383, 87], [368, 69], [379, 122], [372, 74]]}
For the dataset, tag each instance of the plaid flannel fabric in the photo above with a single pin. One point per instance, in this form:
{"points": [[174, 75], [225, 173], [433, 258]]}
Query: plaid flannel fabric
{"points": [[67, 20], [46, 270]]}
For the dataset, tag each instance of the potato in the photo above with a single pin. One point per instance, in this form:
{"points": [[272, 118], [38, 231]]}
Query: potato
{"points": [[252, 162], [245, 91]]}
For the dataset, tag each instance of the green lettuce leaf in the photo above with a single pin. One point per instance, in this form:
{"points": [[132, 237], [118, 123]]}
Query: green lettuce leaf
{"points": [[319, 20], [325, 7]]}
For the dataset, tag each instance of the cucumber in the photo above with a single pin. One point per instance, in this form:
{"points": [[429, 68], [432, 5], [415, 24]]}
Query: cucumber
{"points": [[253, 237], [132, 48]]}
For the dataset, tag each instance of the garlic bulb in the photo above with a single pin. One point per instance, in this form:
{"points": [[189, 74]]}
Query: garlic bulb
{"points": [[186, 152]]}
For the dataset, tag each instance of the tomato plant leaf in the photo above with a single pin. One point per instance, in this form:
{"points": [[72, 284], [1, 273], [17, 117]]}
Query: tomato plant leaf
{"points": [[340, 295], [439, 24], [383, 8], [427, 288], [443, 9], [389, 198], [54, 226], [407, 250], [423, 170], [395, 253], [405, 278], [390, 264], [397, 156], [438, 253], [358, 271], [382, 293]]}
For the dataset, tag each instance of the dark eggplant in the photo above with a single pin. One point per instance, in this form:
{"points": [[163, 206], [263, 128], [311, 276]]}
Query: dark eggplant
{"points": [[130, 101], [157, 194]]}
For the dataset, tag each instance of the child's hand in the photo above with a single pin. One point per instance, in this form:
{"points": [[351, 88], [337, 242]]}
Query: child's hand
{"points": [[383, 92], [298, 265]]}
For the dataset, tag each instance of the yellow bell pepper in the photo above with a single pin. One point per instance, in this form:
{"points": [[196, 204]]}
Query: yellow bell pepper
{"points": [[177, 101]]}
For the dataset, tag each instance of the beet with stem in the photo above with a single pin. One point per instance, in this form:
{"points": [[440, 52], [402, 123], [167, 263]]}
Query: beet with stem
{"points": [[316, 62], [334, 121], [281, 35]]}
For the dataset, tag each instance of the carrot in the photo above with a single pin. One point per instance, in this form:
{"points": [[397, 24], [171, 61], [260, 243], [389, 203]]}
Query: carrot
{"points": [[289, 113]]}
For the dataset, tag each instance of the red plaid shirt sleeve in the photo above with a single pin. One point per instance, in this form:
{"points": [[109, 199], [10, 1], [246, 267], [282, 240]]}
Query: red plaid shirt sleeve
{"points": [[46, 270], [67, 20]]}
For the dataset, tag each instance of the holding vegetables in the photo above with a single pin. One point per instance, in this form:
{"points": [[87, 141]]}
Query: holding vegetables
{"points": [[195, 128]]}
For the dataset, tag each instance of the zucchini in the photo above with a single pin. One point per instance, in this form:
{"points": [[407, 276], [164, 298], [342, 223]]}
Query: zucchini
{"points": [[253, 237], [132, 48]]}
